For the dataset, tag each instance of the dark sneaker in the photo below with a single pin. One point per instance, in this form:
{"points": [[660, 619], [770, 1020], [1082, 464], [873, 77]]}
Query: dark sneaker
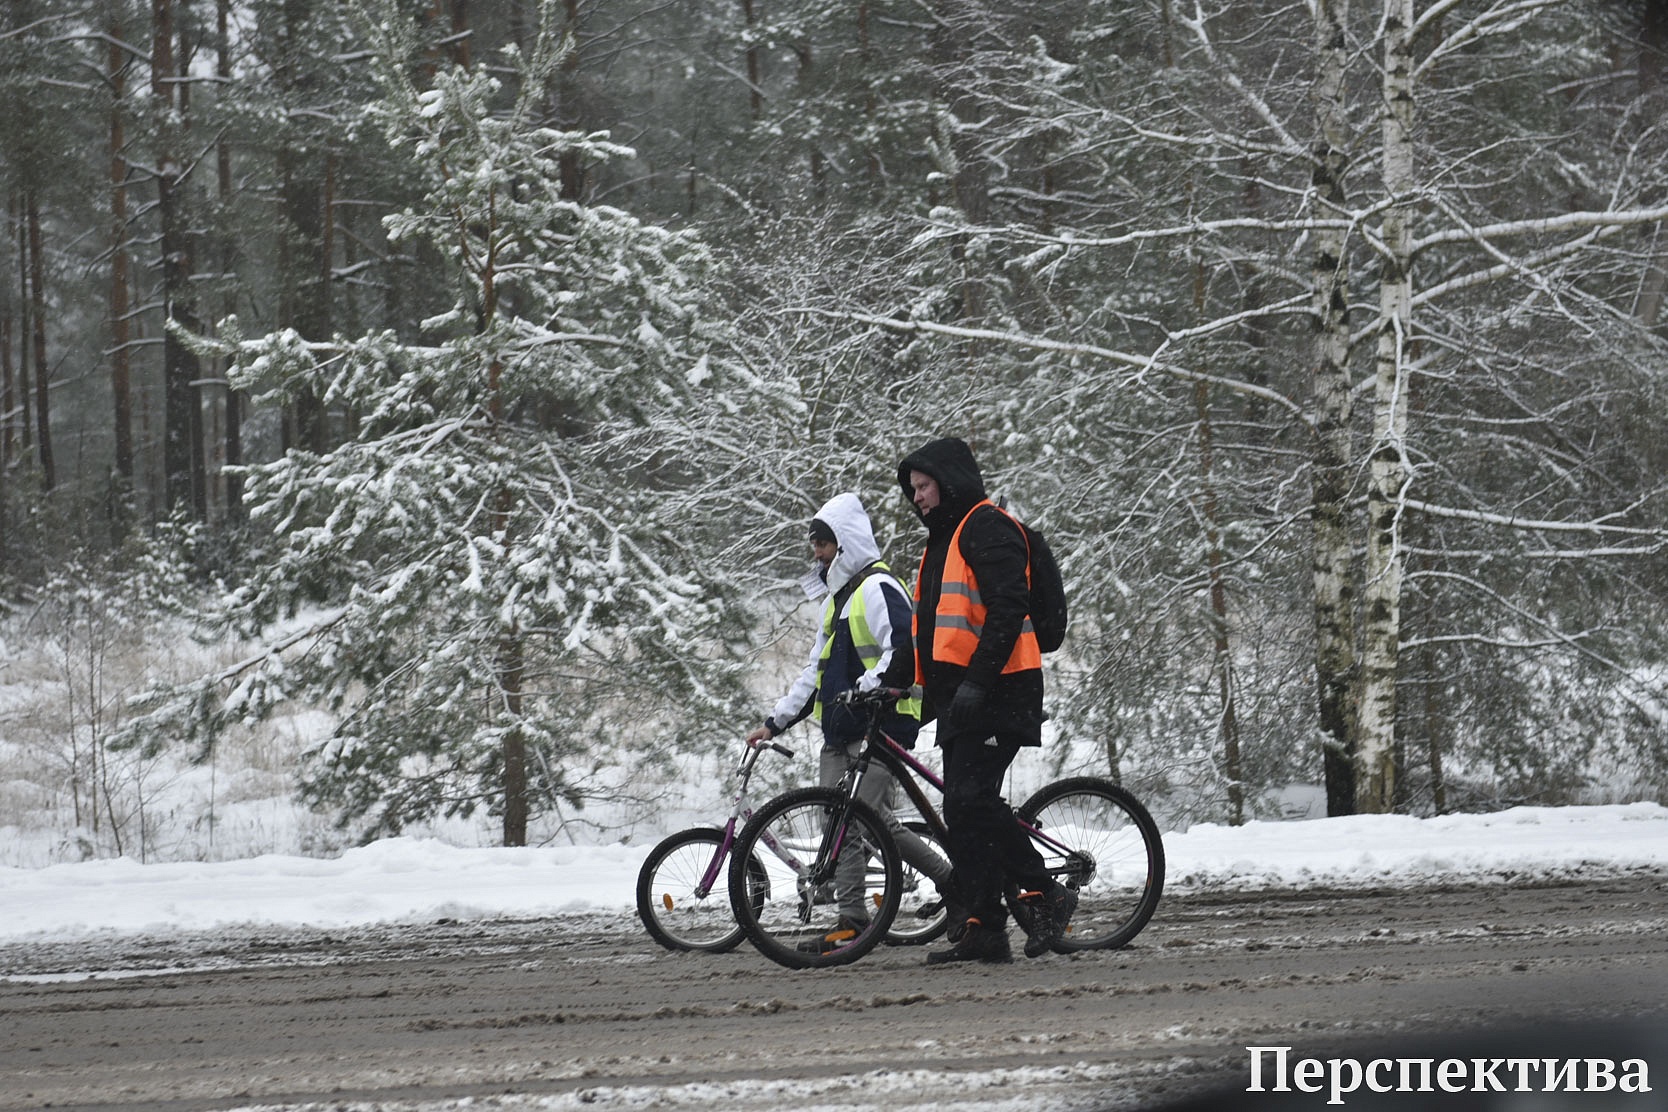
{"points": [[977, 943], [844, 931], [1050, 912]]}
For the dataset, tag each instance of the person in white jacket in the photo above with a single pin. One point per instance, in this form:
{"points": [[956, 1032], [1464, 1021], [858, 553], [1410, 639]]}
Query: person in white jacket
{"points": [[864, 641]]}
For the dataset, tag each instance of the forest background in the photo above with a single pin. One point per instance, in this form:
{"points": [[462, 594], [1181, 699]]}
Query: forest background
{"points": [[433, 395]]}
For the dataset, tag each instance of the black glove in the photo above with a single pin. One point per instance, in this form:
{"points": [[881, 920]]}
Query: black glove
{"points": [[967, 706]]}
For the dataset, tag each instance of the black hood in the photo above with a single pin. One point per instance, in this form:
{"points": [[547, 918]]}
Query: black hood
{"points": [[960, 485]]}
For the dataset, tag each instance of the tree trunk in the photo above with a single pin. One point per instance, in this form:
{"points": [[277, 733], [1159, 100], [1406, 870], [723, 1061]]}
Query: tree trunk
{"points": [[755, 93], [25, 403], [1653, 58], [512, 655], [37, 317], [460, 32], [865, 62], [968, 170], [196, 432], [1381, 595], [1222, 661], [233, 432], [814, 157], [1222, 658], [305, 304], [1334, 592], [1436, 733], [511, 665], [179, 364], [120, 355], [8, 392], [569, 111]]}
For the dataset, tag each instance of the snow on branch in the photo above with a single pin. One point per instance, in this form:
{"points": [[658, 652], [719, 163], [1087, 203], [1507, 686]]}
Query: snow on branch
{"points": [[1131, 360], [1609, 220], [1514, 522]]}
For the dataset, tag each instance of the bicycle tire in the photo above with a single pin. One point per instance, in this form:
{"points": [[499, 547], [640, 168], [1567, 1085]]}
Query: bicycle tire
{"points": [[788, 836], [675, 912], [922, 916], [1116, 859]]}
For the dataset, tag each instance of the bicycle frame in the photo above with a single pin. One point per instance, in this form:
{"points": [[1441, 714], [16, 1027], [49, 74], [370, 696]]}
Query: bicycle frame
{"points": [[909, 770], [1093, 836], [740, 812], [810, 877], [879, 745]]}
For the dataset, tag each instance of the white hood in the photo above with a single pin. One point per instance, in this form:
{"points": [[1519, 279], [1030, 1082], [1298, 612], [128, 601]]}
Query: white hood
{"points": [[844, 514]]}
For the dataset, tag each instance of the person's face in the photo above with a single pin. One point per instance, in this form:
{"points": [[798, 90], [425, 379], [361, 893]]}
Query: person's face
{"points": [[926, 492], [823, 551]]}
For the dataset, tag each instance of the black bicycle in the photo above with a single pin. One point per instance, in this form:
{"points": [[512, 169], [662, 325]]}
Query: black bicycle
{"points": [[1094, 836]]}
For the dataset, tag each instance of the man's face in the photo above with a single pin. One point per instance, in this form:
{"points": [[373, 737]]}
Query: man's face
{"points": [[926, 492], [823, 551]]}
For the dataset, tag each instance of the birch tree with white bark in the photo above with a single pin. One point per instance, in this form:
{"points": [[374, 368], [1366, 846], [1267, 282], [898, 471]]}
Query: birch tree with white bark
{"points": [[1416, 307]]}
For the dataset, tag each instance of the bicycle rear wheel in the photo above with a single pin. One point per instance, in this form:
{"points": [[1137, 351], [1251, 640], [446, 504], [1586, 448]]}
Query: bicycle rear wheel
{"points": [[1097, 838], [680, 912], [813, 914]]}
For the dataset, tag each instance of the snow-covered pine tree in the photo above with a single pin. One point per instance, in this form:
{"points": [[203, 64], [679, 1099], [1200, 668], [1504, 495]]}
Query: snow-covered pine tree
{"points": [[510, 579]]}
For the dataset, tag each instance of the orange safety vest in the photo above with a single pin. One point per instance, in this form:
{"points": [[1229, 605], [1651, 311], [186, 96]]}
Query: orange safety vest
{"points": [[961, 612]]}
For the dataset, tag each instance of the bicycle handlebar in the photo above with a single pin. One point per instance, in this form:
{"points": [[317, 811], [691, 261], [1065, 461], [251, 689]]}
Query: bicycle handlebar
{"points": [[878, 697], [750, 754]]}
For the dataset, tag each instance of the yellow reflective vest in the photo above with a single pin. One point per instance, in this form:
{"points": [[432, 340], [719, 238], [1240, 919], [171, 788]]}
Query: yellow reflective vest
{"points": [[862, 638]]}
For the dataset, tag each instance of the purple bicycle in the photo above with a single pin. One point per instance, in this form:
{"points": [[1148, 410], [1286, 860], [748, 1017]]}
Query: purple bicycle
{"points": [[676, 897], [683, 893]]}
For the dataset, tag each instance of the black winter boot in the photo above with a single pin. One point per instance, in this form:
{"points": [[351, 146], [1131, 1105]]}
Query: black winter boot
{"points": [[976, 943], [1050, 911]]}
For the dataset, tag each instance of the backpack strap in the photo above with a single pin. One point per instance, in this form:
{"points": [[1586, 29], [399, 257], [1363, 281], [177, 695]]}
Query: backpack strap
{"points": [[838, 601]]}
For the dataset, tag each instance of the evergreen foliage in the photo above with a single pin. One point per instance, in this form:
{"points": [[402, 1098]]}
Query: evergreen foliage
{"points": [[507, 579]]}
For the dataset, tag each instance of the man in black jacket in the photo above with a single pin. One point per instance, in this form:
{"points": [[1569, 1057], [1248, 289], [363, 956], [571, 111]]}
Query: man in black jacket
{"points": [[981, 669]]}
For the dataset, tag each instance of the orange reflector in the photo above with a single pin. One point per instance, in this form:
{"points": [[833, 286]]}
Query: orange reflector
{"points": [[666, 901]]}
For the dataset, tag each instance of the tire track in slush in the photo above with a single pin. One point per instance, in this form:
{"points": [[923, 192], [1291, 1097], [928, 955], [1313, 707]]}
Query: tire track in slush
{"points": [[413, 1016]]}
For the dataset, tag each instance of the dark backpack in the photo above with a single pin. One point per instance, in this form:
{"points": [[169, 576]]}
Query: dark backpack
{"points": [[1048, 589]]}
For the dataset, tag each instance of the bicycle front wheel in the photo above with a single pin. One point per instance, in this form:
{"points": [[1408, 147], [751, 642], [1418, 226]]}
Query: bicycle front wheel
{"points": [[1097, 838], [833, 879], [678, 906]]}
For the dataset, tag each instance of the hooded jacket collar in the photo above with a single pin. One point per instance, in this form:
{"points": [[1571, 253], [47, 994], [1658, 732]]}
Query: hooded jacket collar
{"points": [[960, 485], [844, 514]]}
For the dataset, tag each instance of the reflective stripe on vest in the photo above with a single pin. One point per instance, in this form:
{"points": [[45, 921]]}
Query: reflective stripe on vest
{"points": [[961, 611], [862, 640]]}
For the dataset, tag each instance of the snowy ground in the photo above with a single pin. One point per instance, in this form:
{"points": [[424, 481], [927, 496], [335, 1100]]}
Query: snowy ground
{"points": [[419, 880], [95, 907]]}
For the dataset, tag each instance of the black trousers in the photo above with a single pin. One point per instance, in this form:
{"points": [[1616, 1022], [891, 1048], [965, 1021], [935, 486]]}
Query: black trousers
{"points": [[988, 849]]}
